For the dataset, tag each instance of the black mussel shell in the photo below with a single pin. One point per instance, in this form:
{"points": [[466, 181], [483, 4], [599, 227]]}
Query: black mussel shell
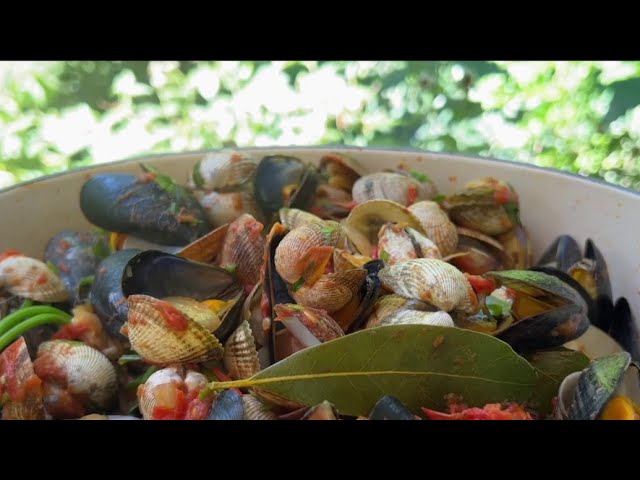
{"points": [[125, 203], [595, 273], [283, 181], [75, 256], [565, 320], [562, 254], [624, 329], [369, 293], [227, 406], [390, 408], [106, 295], [276, 290], [159, 275]]}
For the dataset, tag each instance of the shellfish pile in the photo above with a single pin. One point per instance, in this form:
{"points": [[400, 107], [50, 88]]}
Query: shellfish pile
{"points": [[254, 260]]}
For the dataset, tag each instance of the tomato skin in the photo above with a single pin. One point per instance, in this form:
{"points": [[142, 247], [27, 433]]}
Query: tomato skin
{"points": [[481, 285], [173, 318], [412, 194], [10, 253]]}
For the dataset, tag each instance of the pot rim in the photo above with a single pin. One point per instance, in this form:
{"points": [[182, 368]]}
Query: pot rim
{"points": [[343, 148]]}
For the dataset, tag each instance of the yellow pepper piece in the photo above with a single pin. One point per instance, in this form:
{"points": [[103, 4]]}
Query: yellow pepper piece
{"points": [[215, 305], [116, 240], [619, 408]]}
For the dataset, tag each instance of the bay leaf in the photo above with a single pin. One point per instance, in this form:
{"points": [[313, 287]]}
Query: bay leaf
{"points": [[418, 364], [552, 366]]}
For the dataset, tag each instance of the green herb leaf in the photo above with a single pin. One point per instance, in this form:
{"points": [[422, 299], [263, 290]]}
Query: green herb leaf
{"points": [[231, 267], [439, 198], [419, 364], [385, 256], [421, 177], [298, 285], [198, 180], [86, 282], [124, 359], [328, 231], [142, 378], [552, 367], [513, 212], [101, 249], [52, 267], [498, 307]]}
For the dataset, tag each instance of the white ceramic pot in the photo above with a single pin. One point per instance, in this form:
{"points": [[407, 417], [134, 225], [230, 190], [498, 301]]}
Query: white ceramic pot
{"points": [[551, 203]]}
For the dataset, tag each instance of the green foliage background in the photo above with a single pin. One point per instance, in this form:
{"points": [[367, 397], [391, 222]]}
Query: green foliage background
{"points": [[582, 117]]}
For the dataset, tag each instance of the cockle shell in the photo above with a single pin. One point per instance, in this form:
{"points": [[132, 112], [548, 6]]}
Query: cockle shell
{"points": [[240, 354], [332, 291], [30, 278], [396, 187], [162, 335], [436, 226], [243, 249], [254, 409], [432, 281], [397, 244]]}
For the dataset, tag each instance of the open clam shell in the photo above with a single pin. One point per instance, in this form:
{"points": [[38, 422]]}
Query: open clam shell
{"points": [[436, 226], [162, 335], [240, 354], [398, 188], [365, 220]]}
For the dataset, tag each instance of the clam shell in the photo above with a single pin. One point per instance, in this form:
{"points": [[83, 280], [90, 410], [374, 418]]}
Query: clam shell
{"points": [[196, 311], [159, 390], [433, 281], [243, 249], [390, 305], [398, 244], [322, 411], [252, 313], [160, 342], [332, 292], [436, 226], [293, 218], [304, 252], [482, 253], [85, 373], [240, 354], [365, 220], [343, 260], [341, 171], [16, 368], [30, 278], [396, 187], [222, 208], [517, 247], [309, 326], [415, 317], [206, 248], [223, 171], [254, 409]]}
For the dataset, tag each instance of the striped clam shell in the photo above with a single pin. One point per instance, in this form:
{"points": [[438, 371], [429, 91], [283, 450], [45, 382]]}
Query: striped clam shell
{"points": [[240, 354], [305, 251], [392, 186], [196, 311], [397, 244], [332, 292], [162, 335], [389, 305], [433, 281], [222, 208], [254, 409], [415, 317], [436, 225], [293, 218], [309, 326], [487, 219], [30, 278], [243, 249], [223, 170], [85, 373]]}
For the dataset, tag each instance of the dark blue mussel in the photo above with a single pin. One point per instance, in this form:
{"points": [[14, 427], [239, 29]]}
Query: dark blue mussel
{"points": [[148, 206], [283, 181], [106, 295], [75, 257], [227, 406], [160, 275], [390, 408], [588, 274]]}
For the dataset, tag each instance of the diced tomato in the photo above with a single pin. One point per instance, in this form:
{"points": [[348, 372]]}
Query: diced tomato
{"points": [[480, 284], [10, 253], [412, 194], [71, 331], [173, 318]]}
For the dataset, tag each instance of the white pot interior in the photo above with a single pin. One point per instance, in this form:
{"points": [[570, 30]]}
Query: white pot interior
{"points": [[552, 203]]}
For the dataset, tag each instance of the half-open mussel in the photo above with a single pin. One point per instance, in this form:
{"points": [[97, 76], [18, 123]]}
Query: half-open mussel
{"points": [[608, 389], [150, 206], [161, 275], [546, 311]]}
